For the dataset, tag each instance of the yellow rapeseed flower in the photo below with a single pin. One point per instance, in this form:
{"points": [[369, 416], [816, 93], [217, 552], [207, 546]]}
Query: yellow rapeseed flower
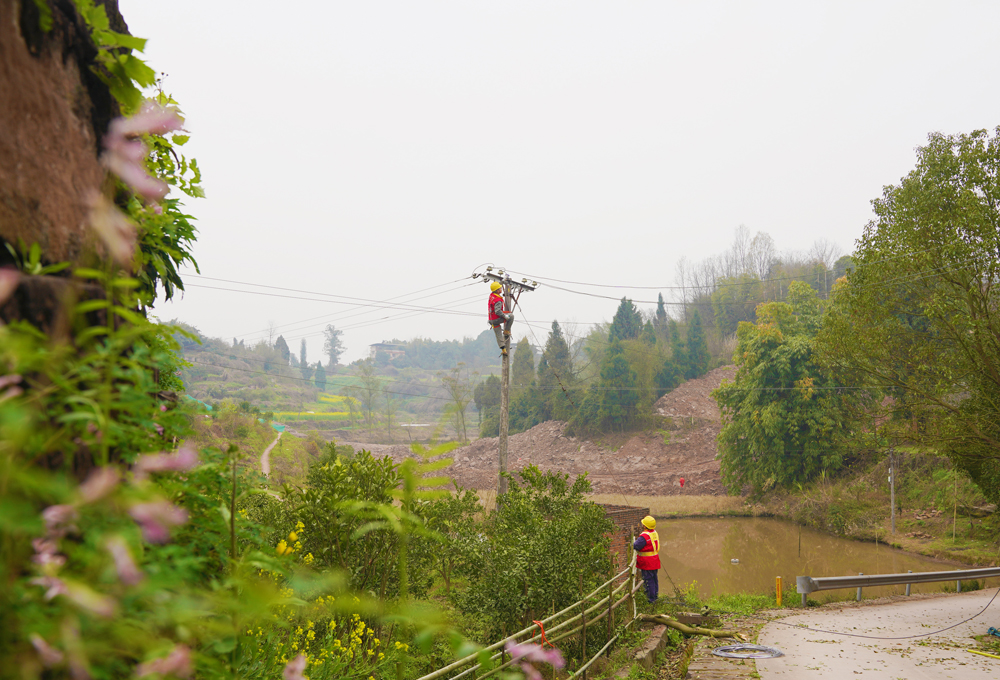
{"points": [[293, 536]]}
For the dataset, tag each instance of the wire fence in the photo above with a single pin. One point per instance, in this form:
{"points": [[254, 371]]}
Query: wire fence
{"points": [[597, 608]]}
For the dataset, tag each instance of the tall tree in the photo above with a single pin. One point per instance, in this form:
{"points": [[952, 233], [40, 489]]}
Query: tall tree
{"points": [[487, 399], [282, 347], [696, 349], [919, 314], [677, 352], [784, 418], [367, 390], [648, 335], [459, 389], [627, 322], [619, 388], [320, 376], [304, 366], [555, 376], [660, 320], [333, 346], [522, 368]]}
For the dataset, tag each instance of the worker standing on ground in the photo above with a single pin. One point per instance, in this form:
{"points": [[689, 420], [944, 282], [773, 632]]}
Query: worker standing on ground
{"points": [[500, 317], [648, 559]]}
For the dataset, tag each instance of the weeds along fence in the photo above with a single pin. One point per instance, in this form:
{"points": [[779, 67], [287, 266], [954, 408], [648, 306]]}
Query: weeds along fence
{"points": [[597, 608]]}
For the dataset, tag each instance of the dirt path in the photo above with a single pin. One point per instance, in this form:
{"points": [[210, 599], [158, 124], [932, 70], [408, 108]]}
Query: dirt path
{"points": [[265, 458], [810, 654]]}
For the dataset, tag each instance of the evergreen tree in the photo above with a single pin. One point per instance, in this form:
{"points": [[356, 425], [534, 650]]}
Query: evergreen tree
{"points": [[660, 320], [304, 366], [282, 347], [619, 393], [522, 369], [696, 349], [648, 335], [320, 376], [627, 323], [668, 377], [677, 352], [555, 376]]}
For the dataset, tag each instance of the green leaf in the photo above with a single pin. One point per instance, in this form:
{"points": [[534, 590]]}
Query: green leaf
{"points": [[44, 15], [129, 41], [88, 306], [137, 70], [180, 140]]}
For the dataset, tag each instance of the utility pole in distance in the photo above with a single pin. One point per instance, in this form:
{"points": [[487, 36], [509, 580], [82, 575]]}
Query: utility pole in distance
{"points": [[509, 288]]}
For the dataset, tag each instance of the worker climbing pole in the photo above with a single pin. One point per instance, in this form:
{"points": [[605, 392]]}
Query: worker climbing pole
{"points": [[504, 294]]}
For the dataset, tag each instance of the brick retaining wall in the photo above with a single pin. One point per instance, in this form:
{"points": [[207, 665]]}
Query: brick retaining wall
{"points": [[626, 519]]}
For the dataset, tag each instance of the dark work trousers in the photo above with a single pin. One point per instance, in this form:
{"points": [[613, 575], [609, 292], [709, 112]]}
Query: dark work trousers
{"points": [[652, 584], [503, 341]]}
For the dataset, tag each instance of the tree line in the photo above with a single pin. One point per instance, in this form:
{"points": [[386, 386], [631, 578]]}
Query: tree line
{"points": [[905, 352]]}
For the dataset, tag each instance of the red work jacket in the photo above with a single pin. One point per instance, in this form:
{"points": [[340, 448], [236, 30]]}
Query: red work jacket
{"points": [[649, 557], [496, 307]]}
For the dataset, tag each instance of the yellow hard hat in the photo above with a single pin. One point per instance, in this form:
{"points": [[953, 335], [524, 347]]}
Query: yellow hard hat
{"points": [[495, 286], [649, 522]]}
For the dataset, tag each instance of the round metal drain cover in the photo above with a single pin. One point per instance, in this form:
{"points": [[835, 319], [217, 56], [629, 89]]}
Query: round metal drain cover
{"points": [[747, 652]]}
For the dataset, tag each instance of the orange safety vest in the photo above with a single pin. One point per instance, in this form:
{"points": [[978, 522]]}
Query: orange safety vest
{"points": [[649, 558]]}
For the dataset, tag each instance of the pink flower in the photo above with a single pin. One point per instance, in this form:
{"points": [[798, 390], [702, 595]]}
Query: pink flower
{"points": [[58, 517], [155, 519], [114, 228], [49, 655], [47, 554], [9, 280], [128, 572], [55, 585], [184, 458], [177, 663], [85, 598], [295, 668], [99, 484], [159, 429], [13, 378], [529, 652], [151, 119], [126, 156]]}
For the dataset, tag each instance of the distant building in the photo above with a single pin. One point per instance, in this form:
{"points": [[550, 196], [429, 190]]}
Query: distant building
{"points": [[393, 351]]}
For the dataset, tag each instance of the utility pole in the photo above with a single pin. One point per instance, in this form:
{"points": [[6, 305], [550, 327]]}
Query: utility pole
{"points": [[509, 288]]}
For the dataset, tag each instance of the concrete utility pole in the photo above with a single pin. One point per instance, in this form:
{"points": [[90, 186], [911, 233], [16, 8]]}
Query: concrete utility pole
{"points": [[509, 288]]}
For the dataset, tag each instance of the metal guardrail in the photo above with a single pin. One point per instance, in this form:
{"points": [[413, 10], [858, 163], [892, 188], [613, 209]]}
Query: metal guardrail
{"points": [[808, 584]]}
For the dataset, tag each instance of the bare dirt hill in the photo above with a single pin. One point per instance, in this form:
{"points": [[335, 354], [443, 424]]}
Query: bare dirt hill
{"points": [[649, 463]]}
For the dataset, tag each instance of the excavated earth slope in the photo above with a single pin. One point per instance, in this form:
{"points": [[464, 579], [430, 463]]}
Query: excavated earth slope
{"points": [[649, 463]]}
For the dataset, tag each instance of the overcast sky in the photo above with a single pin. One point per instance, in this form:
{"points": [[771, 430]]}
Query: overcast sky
{"points": [[373, 149]]}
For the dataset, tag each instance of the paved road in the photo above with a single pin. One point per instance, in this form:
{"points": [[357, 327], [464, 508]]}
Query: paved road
{"points": [[834, 657]]}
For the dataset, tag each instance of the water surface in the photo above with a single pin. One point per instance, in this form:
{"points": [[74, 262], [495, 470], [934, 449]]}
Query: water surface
{"points": [[702, 550]]}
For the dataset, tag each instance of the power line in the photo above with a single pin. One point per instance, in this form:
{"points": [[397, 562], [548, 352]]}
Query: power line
{"points": [[328, 316]]}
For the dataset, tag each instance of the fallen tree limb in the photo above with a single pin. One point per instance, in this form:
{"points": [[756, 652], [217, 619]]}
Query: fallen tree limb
{"points": [[689, 630]]}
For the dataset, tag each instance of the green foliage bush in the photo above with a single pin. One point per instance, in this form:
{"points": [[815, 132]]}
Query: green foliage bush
{"points": [[543, 543]]}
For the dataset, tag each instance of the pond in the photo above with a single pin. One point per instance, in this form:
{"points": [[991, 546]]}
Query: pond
{"points": [[703, 550]]}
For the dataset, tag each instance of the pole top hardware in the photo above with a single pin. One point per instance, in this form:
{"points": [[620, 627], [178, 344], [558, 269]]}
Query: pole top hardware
{"points": [[505, 279]]}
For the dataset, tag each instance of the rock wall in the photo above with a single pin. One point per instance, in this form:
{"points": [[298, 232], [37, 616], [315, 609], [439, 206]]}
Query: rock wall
{"points": [[53, 112]]}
